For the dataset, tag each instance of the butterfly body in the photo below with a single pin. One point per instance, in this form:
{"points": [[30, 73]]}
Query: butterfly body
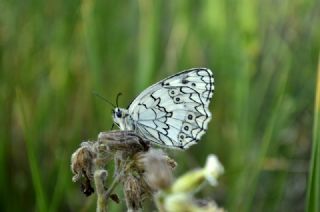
{"points": [[173, 112], [123, 119]]}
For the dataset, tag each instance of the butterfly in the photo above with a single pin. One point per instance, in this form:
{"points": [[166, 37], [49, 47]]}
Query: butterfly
{"points": [[173, 112]]}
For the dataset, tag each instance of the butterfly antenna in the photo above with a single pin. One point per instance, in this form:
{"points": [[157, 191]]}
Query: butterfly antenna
{"points": [[101, 97], [119, 94]]}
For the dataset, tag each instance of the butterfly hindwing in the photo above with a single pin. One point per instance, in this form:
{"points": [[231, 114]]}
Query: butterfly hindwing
{"points": [[174, 112]]}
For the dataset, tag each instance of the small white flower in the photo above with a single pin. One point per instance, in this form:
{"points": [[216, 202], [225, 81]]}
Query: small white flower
{"points": [[213, 169]]}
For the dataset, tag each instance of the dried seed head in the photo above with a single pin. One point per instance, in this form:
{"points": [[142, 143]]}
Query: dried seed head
{"points": [[157, 169], [82, 161], [86, 187], [132, 191], [172, 163], [82, 166], [126, 141]]}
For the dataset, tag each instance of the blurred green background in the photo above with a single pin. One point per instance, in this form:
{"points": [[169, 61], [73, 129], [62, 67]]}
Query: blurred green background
{"points": [[55, 53]]}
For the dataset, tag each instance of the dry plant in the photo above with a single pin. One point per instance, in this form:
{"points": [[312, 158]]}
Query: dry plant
{"points": [[143, 171]]}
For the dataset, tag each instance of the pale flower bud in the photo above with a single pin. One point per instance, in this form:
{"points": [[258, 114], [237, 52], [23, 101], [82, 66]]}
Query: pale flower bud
{"points": [[185, 202], [178, 202], [213, 169], [188, 182], [192, 180]]}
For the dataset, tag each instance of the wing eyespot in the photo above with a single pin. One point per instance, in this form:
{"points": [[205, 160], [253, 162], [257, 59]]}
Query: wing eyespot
{"points": [[186, 128], [190, 117], [181, 137], [173, 92], [184, 81], [177, 100]]}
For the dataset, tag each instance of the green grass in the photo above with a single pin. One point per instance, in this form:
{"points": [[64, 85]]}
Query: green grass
{"points": [[31, 154], [314, 174], [264, 54]]}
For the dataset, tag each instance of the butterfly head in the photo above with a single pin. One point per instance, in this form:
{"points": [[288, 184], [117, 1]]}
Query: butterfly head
{"points": [[119, 115]]}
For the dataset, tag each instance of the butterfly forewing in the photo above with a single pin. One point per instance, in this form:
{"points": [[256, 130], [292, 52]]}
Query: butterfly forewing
{"points": [[174, 112]]}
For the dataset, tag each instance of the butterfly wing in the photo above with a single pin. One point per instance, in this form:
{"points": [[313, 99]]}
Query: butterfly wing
{"points": [[174, 112]]}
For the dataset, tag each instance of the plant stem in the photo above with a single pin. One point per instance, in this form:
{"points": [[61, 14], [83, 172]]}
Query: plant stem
{"points": [[100, 177]]}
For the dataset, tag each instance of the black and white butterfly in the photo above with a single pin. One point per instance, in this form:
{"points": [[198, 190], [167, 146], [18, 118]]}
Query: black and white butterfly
{"points": [[173, 112]]}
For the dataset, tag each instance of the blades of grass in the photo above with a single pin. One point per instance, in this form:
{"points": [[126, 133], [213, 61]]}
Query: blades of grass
{"points": [[6, 102], [313, 194], [266, 140], [241, 106], [177, 37], [32, 158], [90, 38], [148, 33], [62, 180]]}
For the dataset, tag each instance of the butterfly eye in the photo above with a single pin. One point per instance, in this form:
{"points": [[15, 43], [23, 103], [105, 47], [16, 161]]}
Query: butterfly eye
{"points": [[119, 114]]}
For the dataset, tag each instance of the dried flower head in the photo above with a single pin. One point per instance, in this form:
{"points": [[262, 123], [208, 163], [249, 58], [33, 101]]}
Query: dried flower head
{"points": [[132, 192], [157, 168], [82, 167], [143, 172], [82, 161]]}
